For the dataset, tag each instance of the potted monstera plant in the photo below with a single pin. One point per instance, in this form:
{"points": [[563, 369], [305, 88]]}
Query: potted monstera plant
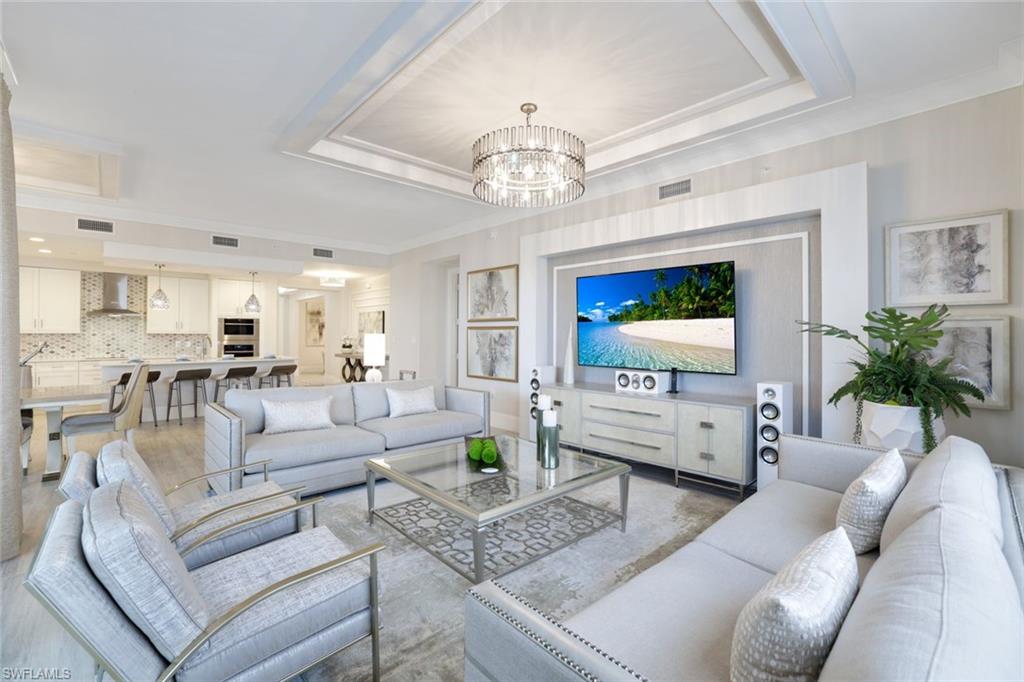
{"points": [[900, 395]]}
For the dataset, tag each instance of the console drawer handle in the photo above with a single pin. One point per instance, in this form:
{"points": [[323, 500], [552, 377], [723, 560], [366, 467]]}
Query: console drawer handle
{"points": [[627, 442], [622, 409], [707, 455], [707, 425]]}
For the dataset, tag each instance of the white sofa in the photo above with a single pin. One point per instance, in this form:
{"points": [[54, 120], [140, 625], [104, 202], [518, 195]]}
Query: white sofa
{"points": [[942, 601], [332, 458]]}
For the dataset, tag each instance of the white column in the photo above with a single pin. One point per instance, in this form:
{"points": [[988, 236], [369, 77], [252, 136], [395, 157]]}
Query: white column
{"points": [[10, 375]]}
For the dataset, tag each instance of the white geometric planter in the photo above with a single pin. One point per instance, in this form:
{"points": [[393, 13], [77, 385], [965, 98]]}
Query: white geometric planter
{"points": [[895, 426]]}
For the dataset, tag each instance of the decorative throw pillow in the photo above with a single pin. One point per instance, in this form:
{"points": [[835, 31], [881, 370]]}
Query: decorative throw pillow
{"points": [[296, 415], [118, 461], [786, 631], [867, 501], [416, 401], [131, 556]]}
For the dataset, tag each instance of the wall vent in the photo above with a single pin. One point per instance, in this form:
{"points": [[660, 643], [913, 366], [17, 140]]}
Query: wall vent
{"points": [[231, 242], [323, 253], [96, 225], [674, 189]]}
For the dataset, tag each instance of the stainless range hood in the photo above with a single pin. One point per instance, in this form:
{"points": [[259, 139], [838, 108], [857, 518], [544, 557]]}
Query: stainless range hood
{"points": [[115, 297]]}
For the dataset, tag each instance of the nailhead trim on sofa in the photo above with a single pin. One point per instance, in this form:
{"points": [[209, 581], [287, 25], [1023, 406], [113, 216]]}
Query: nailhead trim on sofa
{"points": [[547, 646]]}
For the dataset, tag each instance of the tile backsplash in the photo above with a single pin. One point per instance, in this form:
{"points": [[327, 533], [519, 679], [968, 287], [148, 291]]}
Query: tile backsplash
{"points": [[112, 337]]}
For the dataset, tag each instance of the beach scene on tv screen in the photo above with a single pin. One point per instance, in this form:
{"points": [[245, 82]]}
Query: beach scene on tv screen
{"points": [[680, 317]]}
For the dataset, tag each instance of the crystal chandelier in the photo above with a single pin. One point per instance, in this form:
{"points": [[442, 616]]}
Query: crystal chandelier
{"points": [[159, 300], [529, 166], [252, 304]]}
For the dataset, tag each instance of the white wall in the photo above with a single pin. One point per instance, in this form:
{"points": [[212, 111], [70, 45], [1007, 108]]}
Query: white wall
{"points": [[961, 158]]}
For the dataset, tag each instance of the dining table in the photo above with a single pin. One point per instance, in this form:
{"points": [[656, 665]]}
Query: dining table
{"points": [[52, 400]]}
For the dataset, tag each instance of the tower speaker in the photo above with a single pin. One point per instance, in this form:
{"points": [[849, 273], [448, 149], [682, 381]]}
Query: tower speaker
{"points": [[638, 381], [774, 418], [538, 377]]}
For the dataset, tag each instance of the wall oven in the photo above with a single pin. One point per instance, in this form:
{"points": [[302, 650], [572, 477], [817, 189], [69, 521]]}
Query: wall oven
{"points": [[239, 326], [239, 337]]}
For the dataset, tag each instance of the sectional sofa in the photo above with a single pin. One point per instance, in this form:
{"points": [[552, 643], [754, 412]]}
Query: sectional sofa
{"points": [[326, 459], [942, 601]]}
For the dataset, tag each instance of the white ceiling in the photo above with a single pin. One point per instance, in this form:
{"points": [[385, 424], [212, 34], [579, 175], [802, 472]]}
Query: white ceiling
{"points": [[348, 124], [554, 54]]}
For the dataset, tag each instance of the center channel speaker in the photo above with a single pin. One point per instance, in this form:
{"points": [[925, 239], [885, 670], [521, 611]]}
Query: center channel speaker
{"points": [[636, 381], [539, 376], [774, 418]]}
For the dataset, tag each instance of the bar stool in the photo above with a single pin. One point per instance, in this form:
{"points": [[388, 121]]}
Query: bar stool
{"points": [[123, 381], [198, 378], [235, 375], [278, 374]]}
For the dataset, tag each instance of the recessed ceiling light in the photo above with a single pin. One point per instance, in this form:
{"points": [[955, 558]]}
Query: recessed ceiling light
{"points": [[45, 251], [36, 239]]}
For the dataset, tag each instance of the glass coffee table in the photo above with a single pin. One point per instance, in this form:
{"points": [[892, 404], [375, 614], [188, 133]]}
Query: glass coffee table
{"points": [[484, 524]]}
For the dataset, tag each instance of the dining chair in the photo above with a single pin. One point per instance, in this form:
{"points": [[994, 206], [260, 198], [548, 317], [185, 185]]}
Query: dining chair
{"points": [[125, 418]]}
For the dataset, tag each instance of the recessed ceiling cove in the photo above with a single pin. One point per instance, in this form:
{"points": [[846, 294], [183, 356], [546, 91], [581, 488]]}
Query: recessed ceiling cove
{"points": [[599, 69], [634, 80]]}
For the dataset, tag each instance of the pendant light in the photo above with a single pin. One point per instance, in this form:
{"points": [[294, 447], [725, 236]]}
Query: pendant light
{"points": [[159, 300], [252, 304]]}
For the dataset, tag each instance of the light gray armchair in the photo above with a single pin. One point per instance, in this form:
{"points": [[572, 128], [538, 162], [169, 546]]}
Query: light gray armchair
{"points": [[187, 525], [111, 577]]}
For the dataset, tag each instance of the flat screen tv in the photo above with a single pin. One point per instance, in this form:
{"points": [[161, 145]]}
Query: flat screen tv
{"points": [[682, 317]]}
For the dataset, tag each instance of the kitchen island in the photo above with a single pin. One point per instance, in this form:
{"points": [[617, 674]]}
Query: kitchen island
{"points": [[168, 367]]}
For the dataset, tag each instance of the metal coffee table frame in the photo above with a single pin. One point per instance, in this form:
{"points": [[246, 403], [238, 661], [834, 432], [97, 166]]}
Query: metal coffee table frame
{"points": [[481, 520]]}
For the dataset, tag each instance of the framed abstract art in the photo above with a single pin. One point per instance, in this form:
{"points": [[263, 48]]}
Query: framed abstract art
{"points": [[492, 353], [493, 294], [956, 261], [980, 348]]}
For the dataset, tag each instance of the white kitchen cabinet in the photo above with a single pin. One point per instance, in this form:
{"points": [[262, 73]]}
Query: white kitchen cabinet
{"points": [[90, 373], [51, 301], [28, 305], [231, 295], [189, 311], [195, 311], [49, 374]]}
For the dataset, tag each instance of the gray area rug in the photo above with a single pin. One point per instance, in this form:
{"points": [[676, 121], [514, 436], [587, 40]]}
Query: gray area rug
{"points": [[511, 542], [422, 598]]}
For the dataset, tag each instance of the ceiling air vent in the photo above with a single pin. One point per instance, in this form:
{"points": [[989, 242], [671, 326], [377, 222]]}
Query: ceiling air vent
{"points": [[674, 189], [95, 225], [231, 242], [323, 253]]}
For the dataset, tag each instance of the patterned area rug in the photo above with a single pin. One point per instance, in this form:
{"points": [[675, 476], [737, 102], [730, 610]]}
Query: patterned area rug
{"points": [[511, 542], [422, 598]]}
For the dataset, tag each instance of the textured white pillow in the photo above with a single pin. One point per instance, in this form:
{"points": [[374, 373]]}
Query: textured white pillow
{"points": [[786, 631], [867, 501], [416, 401], [296, 415]]}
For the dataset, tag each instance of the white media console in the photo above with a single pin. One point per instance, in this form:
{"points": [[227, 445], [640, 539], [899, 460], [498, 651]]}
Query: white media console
{"points": [[705, 438]]}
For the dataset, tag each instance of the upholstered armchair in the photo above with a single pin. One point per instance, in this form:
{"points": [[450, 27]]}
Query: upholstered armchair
{"points": [[110, 575], [190, 525]]}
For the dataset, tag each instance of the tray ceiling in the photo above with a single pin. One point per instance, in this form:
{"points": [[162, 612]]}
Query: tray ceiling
{"points": [[667, 57]]}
